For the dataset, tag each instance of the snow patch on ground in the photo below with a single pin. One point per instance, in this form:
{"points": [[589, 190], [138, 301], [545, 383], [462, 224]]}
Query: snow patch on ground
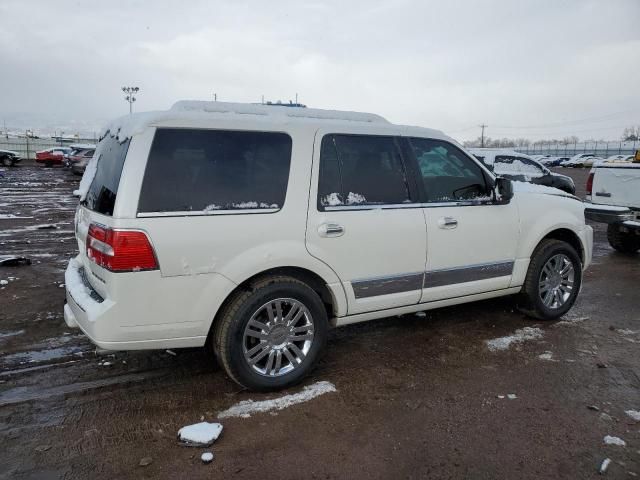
{"points": [[203, 433], [635, 414], [245, 408], [626, 331], [519, 336], [547, 356], [609, 440]]}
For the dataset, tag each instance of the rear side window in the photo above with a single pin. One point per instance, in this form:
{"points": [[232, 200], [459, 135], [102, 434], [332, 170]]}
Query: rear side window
{"points": [[208, 170], [360, 170], [101, 196]]}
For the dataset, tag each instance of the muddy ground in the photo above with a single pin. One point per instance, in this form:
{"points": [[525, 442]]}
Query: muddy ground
{"points": [[417, 397]]}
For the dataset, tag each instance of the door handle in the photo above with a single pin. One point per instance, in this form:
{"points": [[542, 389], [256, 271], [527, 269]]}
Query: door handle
{"points": [[447, 223], [330, 230]]}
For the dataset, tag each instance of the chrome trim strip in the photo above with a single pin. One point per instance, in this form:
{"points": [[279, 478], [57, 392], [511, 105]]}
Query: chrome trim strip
{"points": [[407, 282], [470, 273], [469, 203], [202, 213], [373, 287]]}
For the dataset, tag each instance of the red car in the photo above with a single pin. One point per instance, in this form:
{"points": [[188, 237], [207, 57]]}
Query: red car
{"points": [[52, 156]]}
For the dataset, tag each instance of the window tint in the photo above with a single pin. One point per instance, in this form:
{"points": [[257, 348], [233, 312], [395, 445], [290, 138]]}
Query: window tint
{"points": [[101, 196], [360, 170], [207, 170], [447, 172]]}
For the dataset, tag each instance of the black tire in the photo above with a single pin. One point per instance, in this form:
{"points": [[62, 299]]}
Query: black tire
{"points": [[530, 302], [228, 334], [623, 242], [7, 162], [48, 164]]}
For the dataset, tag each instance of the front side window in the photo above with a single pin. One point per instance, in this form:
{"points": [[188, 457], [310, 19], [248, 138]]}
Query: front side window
{"points": [[448, 174], [360, 170], [192, 170]]}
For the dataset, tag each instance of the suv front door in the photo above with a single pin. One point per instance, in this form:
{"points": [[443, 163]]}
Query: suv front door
{"points": [[365, 222], [471, 241]]}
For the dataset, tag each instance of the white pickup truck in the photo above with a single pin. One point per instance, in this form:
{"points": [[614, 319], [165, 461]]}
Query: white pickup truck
{"points": [[613, 191]]}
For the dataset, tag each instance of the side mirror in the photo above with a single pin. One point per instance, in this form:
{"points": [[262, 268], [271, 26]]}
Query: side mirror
{"points": [[503, 191]]}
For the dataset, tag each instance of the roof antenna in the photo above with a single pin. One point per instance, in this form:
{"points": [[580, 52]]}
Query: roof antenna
{"points": [[263, 99], [296, 99]]}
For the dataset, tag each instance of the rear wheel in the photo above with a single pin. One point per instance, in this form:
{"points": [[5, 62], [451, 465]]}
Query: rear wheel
{"points": [[270, 336], [6, 162], [624, 242], [552, 282], [48, 164]]}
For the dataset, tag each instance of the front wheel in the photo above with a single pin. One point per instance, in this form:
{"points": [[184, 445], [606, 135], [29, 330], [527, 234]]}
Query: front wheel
{"points": [[552, 282], [270, 336]]}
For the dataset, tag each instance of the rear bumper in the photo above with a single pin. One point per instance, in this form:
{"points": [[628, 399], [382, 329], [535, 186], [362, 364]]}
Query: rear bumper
{"points": [[608, 214], [151, 312]]}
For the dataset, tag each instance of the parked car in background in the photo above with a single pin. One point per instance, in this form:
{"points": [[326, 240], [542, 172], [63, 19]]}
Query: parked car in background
{"points": [[613, 193], [580, 160], [52, 156], [553, 161], [518, 166], [618, 159], [254, 228], [78, 152], [9, 158], [78, 168]]}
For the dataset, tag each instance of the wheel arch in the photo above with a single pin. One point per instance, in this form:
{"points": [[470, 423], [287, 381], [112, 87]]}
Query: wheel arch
{"points": [[327, 294], [566, 235]]}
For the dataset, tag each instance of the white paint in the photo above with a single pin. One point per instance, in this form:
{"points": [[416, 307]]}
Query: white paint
{"points": [[520, 336], [635, 414], [202, 433], [245, 408], [610, 440]]}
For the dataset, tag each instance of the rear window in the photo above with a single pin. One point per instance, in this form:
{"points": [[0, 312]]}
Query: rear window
{"points": [[101, 196], [208, 170]]}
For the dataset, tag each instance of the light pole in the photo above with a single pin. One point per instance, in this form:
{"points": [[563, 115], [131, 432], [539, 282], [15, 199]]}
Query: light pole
{"points": [[130, 91]]}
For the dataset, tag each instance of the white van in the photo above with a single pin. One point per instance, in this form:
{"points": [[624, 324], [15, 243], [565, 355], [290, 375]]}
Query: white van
{"points": [[255, 228]]}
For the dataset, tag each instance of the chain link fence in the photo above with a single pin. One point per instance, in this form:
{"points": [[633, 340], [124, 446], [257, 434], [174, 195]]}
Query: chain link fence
{"points": [[599, 149]]}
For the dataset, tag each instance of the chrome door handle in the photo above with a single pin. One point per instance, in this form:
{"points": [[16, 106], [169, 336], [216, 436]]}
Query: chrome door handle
{"points": [[447, 223], [330, 230]]}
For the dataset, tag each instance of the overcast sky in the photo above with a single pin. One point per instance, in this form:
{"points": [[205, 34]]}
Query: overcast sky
{"points": [[556, 67]]}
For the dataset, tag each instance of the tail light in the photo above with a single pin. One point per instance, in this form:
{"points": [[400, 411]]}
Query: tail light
{"points": [[120, 250], [590, 183]]}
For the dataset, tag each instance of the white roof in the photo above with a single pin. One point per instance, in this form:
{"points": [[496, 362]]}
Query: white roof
{"points": [[193, 113]]}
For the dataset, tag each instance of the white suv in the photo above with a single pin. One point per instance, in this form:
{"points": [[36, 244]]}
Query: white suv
{"points": [[254, 228]]}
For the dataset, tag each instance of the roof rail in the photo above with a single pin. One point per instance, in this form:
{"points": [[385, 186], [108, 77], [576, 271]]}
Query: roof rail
{"points": [[272, 110]]}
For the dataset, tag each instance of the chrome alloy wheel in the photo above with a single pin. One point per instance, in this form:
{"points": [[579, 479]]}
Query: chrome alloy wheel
{"points": [[278, 337], [556, 281]]}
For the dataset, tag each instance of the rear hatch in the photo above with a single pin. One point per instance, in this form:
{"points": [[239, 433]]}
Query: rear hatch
{"points": [[617, 185], [97, 205]]}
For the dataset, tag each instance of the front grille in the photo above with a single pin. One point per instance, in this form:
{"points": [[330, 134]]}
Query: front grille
{"points": [[92, 293]]}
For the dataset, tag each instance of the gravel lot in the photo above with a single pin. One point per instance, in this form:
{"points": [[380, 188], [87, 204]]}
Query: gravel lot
{"points": [[416, 396]]}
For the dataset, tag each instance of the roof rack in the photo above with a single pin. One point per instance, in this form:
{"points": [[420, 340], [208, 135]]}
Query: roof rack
{"points": [[272, 110]]}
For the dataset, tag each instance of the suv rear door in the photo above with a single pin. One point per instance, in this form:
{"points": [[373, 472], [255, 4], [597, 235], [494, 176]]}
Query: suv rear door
{"points": [[365, 221]]}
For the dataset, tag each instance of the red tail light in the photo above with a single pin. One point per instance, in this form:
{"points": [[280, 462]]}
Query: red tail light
{"points": [[120, 250], [590, 183]]}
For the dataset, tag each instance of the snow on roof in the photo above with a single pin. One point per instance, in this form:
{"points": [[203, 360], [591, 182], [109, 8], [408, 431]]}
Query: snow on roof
{"points": [[274, 110], [201, 111], [82, 145]]}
